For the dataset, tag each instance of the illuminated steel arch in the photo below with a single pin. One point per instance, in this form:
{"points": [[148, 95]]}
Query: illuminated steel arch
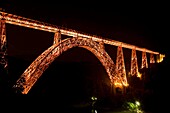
{"points": [[41, 63]]}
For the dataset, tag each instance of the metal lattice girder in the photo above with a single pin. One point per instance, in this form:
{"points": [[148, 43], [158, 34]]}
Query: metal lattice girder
{"points": [[134, 64], [30, 23], [3, 43], [101, 45], [35, 70], [120, 66], [144, 60], [152, 59], [57, 37]]}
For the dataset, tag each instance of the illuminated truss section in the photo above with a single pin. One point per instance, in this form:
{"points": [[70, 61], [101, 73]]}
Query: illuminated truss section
{"points": [[144, 60], [93, 43], [102, 45], [134, 64], [25, 22], [3, 44], [152, 59], [160, 58], [41, 63], [120, 68], [57, 38]]}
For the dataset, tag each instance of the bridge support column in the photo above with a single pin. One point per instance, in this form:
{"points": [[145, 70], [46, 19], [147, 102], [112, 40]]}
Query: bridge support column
{"points": [[57, 37], [120, 66], [3, 43], [101, 45], [144, 60], [152, 59], [134, 64], [4, 85]]}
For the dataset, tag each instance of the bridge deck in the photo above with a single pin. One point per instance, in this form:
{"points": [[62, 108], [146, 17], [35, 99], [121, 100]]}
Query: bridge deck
{"points": [[26, 22]]}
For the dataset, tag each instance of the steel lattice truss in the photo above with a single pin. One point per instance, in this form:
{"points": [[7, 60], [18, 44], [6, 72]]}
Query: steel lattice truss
{"points": [[120, 67], [35, 70], [93, 43], [134, 64], [26, 22], [3, 43], [144, 60], [152, 59]]}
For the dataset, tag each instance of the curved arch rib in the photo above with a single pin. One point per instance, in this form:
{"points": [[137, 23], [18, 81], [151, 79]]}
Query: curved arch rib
{"points": [[41, 63]]}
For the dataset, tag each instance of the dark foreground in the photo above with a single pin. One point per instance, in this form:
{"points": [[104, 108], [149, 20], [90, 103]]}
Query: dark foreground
{"points": [[155, 98]]}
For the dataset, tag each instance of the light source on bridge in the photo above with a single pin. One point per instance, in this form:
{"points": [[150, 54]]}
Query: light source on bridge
{"points": [[117, 84], [139, 74]]}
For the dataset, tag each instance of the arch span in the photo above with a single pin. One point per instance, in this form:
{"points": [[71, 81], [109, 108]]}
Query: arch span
{"points": [[41, 63]]}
